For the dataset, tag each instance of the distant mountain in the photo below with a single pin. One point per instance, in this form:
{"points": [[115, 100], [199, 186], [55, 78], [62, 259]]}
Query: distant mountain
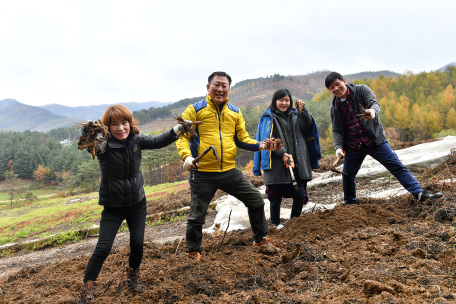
{"points": [[442, 69], [16, 116], [7, 102], [370, 75], [95, 112]]}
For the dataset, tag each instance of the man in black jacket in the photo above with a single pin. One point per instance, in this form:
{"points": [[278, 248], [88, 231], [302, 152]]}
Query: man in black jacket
{"points": [[355, 137]]}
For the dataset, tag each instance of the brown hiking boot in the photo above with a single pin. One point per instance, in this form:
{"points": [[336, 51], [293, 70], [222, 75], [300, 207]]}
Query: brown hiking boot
{"points": [[267, 243], [133, 280], [194, 255], [86, 295]]}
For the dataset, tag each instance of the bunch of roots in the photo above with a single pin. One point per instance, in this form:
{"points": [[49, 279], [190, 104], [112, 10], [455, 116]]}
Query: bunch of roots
{"points": [[268, 142], [187, 127], [92, 142]]}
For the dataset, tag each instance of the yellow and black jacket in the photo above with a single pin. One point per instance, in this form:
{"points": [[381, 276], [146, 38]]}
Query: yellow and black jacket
{"points": [[225, 129]]}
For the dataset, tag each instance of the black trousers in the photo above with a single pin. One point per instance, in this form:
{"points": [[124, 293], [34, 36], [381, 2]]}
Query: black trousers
{"points": [[111, 219], [277, 192], [203, 186]]}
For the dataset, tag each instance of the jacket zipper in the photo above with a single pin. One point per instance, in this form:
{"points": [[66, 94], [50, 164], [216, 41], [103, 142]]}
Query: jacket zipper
{"points": [[128, 176], [221, 145], [220, 134]]}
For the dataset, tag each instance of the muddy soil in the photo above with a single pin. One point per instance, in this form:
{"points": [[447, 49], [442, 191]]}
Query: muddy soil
{"points": [[380, 251]]}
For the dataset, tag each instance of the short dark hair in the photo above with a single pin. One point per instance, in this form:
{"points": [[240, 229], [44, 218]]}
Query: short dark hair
{"points": [[209, 79], [331, 77]]}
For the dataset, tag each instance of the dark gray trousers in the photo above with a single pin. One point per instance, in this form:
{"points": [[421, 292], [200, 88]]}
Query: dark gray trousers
{"points": [[203, 186]]}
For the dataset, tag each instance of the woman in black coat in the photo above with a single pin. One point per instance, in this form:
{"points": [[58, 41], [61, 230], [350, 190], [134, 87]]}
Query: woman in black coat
{"points": [[281, 120], [121, 193]]}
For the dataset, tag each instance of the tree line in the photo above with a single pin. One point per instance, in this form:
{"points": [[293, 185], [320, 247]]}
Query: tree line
{"points": [[305, 86], [413, 107]]}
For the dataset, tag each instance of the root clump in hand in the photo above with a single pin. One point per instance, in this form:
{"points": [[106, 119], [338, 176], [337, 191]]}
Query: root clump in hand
{"points": [[364, 115], [188, 127], [92, 140], [298, 107], [268, 142]]}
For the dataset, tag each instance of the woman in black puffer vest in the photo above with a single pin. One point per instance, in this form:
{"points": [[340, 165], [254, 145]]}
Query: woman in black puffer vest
{"points": [[121, 193]]}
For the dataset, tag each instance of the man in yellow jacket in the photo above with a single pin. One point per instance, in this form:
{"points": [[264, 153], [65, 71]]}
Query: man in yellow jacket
{"points": [[224, 128]]}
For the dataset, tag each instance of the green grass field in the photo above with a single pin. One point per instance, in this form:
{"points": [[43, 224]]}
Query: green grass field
{"points": [[48, 216], [26, 184]]}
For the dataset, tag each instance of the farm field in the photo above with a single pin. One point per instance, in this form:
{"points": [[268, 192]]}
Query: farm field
{"points": [[380, 251], [49, 216], [24, 183]]}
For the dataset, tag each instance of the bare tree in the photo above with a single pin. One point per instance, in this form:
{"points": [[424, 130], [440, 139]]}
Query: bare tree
{"points": [[13, 187]]}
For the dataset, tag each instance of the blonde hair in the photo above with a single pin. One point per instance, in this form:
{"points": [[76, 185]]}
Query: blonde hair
{"points": [[119, 112]]}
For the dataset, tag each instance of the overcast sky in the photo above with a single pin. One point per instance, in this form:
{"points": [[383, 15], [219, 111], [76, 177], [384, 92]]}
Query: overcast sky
{"points": [[98, 52]]}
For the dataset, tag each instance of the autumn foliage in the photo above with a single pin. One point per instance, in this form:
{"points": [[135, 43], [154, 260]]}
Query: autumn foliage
{"points": [[415, 106]]}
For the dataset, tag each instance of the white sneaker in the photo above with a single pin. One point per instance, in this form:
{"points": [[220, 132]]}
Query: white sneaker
{"points": [[279, 226]]}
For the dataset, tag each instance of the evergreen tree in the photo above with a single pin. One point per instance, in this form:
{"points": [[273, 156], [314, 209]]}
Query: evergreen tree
{"points": [[3, 164], [24, 163]]}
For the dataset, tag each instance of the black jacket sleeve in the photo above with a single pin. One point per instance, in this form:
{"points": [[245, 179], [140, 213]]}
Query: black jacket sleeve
{"points": [[157, 141]]}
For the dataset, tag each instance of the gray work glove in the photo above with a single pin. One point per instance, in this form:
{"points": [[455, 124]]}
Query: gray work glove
{"points": [[84, 129]]}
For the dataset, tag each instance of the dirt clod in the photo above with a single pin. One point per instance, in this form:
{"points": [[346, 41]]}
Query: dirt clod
{"points": [[373, 287]]}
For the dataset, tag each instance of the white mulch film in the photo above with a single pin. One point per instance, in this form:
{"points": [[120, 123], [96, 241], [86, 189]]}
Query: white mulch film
{"points": [[428, 154]]}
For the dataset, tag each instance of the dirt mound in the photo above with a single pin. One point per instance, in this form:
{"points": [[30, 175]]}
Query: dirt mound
{"points": [[446, 169], [380, 251], [345, 255], [174, 201], [335, 222]]}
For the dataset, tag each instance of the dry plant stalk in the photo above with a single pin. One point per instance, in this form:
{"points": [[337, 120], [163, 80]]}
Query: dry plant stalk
{"points": [[188, 126], [226, 230], [269, 141], [92, 142], [297, 106]]}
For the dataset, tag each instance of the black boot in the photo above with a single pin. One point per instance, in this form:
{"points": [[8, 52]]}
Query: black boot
{"points": [[86, 295], [425, 195], [133, 280]]}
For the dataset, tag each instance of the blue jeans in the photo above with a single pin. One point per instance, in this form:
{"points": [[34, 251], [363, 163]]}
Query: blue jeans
{"points": [[277, 192], [384, 155]]}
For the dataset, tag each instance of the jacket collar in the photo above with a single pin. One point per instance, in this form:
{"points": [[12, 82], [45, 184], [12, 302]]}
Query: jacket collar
{"points": [[213, 104], [268, 112]]}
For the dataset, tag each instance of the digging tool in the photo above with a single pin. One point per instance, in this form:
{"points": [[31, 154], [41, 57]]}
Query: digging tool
{"points": [[295, 184], [333, 167], [205, 152]]}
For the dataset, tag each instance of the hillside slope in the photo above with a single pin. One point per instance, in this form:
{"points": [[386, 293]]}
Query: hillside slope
{"points": [[17, 116], [258, 92]]}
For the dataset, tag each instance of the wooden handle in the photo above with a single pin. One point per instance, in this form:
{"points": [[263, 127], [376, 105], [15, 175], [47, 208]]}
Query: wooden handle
{"points": [[201, 155]]}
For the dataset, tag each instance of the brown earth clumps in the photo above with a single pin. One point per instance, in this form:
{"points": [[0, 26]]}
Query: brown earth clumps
{"points": [[356, 254], [380, 251]]}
